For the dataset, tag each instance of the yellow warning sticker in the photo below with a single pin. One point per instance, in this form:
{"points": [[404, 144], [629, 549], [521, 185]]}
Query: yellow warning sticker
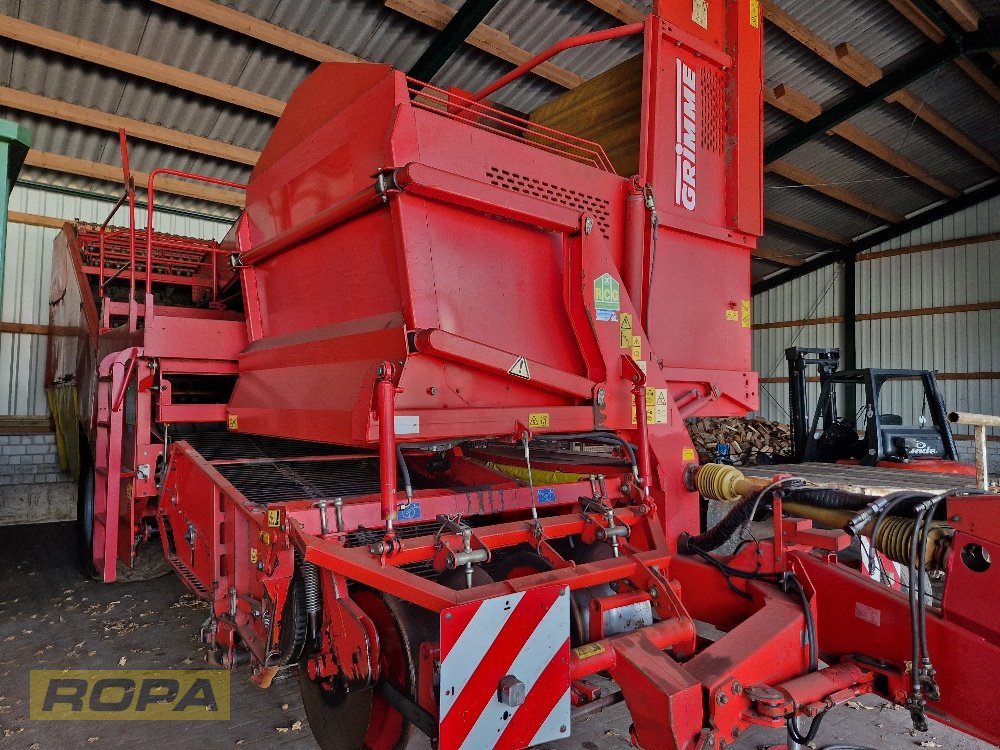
{"points": [[637, 348], [755, 13], [264, 537], [688, 454], [732, 315], [274, 518], [538, 420], [253, 554], [699, 13], [745, 313], [625, 329], [233, 422], [591, 649]]}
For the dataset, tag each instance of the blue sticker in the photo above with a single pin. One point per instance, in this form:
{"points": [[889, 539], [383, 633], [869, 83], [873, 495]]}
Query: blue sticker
{"points": [[410, 513], [547, 495], [607, 315]]}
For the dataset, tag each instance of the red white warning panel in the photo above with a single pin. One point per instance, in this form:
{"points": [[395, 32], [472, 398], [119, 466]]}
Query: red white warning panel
{"points": [[505, 671]]}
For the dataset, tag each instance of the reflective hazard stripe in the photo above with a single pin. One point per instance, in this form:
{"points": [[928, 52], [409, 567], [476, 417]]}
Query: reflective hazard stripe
{"points": [[524, 635]]}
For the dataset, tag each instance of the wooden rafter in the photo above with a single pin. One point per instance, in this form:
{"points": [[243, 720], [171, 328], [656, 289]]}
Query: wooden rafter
{"points": [[263, 31], [843, 57], [620, 10], [928, 28], [798, 105], [97, 54], [764, 252], [92, 118], [862, 70], [109, 173], [792, 223], [817, 183], [485, 38], [929, 115]]}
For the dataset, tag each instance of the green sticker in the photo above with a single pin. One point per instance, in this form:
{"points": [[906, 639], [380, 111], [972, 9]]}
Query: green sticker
{"points": [[606, 292]]}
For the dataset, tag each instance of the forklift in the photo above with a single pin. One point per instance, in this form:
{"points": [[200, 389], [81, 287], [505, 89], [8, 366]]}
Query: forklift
{"points": [[885, 439]]}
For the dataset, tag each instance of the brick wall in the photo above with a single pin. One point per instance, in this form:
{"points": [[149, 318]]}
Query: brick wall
{"points": [[29, 459], [967, 453]]}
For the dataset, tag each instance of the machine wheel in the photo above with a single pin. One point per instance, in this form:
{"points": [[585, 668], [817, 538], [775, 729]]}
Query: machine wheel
{"points": [[362, 719], [85, 508]]}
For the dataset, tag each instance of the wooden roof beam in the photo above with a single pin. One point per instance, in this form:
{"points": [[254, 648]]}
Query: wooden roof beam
{"points": [[804, 227], [110, 173], [862, 70], [930, 116], [492, 41], [92, 118], [763, 252], [817, 183], [932, 31], [109, 57], [798, 105], [843, 56], [255, 28], [620, 10]]}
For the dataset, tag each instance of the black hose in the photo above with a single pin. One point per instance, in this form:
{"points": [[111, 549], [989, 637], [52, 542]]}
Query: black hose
{"points": [[597, 437], [404, 470], [719, 534], [803, 739], [792, 582], [821, 497]]}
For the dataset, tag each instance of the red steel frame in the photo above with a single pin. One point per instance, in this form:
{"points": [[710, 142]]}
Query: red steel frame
{"points": [[386, 362]]}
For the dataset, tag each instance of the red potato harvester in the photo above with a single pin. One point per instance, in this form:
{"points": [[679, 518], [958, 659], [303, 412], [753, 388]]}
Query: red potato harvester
{"points": [[417, 424]]}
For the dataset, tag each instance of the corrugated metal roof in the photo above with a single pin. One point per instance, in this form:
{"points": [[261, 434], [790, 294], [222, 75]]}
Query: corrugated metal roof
{"points": [[368, 29]]}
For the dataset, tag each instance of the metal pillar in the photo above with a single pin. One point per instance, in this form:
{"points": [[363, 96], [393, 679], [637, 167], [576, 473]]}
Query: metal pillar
{"points": [[14, 144], [849, 348]]}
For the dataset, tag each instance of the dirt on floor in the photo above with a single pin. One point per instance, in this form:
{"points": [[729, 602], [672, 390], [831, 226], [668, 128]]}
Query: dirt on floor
{"points": [[52, 618]]}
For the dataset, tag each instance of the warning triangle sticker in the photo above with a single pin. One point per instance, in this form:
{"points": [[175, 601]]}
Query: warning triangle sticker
{"points": [[520, 369], [661, 396]]}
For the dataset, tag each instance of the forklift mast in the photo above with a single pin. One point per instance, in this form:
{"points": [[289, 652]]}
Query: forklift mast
{"points": [[827, 361]]}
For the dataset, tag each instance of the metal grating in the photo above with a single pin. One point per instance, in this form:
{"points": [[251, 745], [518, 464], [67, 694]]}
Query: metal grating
{"points": [[713, 127], [554, 194], [280, 481], [228, 446]]}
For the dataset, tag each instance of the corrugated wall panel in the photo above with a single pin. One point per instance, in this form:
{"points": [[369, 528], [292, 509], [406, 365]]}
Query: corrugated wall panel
{"points": [[27, 272], [963, 346]]}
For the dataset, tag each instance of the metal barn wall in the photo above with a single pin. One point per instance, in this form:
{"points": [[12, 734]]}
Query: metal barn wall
{"points": [[901, 323], [963, 346], [27, 270], [813, 297]]}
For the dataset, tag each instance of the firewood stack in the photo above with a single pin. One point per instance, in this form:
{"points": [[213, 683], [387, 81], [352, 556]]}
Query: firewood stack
{"points": [[751, 441]]}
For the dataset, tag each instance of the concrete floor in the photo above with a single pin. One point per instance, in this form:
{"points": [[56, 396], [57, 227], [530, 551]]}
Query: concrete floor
{"points": [[51, 618]]}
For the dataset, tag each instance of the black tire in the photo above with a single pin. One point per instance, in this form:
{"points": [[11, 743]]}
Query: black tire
{"points": [[85, 508]]}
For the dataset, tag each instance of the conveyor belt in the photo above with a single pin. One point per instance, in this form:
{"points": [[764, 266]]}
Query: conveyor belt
{"points": [[865, 479], [268, 470], [219, 445]]}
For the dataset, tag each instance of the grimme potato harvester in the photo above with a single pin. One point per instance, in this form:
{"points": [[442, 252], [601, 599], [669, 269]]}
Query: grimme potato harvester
{"points": [[416, 424]]}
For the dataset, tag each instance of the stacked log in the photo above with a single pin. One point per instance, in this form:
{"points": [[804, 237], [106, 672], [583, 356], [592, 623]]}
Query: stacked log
{"points": [[751, 441]]}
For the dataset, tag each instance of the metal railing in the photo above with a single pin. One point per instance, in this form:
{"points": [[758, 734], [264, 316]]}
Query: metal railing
{"points": [[167, 258]]}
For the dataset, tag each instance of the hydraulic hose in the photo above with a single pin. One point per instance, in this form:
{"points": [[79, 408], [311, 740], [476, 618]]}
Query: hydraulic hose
{"points": [[832, 499], [719, 534]]}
